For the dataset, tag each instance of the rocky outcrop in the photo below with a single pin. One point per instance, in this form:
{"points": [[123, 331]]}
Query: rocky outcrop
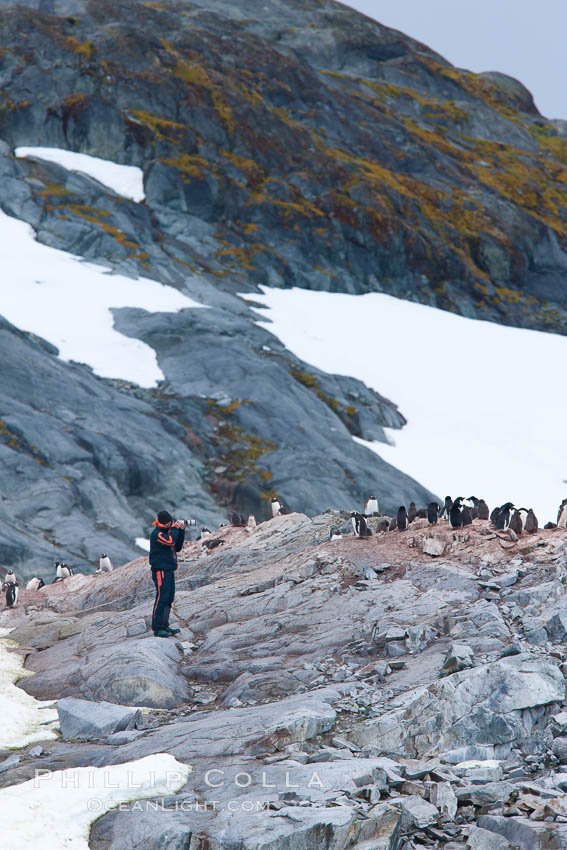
{"points": [[293, 143], [314, 706]]}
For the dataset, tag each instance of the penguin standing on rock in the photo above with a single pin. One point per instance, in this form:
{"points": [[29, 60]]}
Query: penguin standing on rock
{"points": [[393, 524], [455, 514], [494, 516], [412, 512], [432, 513], [482, 509], [251, 521], [467, 515], [504, 516], [371, 508], [562, 514], [402, 518], [35, 583], [276, 507], [446, 509], [359, 525], [531, 524], [10, 587], [335, 534], [383, 525], [62, 571], [104, 564], [516, 523]]}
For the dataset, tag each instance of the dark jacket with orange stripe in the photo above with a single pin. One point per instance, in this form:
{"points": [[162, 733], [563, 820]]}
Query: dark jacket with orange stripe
{"points": [[165, 543]]}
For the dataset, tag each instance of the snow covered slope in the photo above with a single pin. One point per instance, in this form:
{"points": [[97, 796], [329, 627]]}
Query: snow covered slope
{"points": [[24, 719], [485, 405], [68, 302], [126, 180]]}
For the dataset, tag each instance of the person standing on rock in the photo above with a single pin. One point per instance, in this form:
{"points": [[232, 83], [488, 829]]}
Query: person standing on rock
{"points": [[166, 541]]}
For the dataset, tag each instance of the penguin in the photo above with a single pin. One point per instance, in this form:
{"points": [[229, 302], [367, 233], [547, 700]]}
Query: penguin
{"points": [[474, 506], [383, 525], [62, 571], [104, 564], [432, 513], [204, 532], [402, 518], [359, 525], [371, 508], [562, 514], [516, 523], [549, 525], [494, 516], [393, 524], [35, 584], [482, 509], [467, 515], [10, 587], [421, 514], [335, 534], [412, 512], [531, 524], [523, 516], [208, 545], [504, 516], [276, 507], [251, 521], [455, 514], [446, 509]]}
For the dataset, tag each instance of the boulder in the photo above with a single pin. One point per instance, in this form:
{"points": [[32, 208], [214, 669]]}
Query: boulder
{"points": [[81, 720], [417, 812], [442, 796], [434, 546], [482, 839], [526, 834], [459, 657]]}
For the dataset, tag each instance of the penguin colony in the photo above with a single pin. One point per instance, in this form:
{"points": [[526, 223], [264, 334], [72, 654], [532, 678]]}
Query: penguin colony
{"points": [[458, 512]]}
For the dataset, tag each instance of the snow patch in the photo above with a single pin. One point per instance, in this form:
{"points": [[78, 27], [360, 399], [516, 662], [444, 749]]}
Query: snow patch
{"points": [[24, 719], [143, 543], [486, 413], [55, 810], [125, 180], [66, 301]]}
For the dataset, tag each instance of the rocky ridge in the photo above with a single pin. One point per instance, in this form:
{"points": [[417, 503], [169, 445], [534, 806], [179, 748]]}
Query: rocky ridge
{"points": [[350, 693]]}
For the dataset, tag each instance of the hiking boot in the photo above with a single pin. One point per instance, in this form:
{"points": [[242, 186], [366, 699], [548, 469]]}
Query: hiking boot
{"points": [[162, 633], [172, 631]]}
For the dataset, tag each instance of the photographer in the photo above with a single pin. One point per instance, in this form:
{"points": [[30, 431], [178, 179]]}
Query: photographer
{"points": [[166, 540]]}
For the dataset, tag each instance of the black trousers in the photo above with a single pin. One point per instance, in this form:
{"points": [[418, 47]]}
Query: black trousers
{"points": [[164, 581]]}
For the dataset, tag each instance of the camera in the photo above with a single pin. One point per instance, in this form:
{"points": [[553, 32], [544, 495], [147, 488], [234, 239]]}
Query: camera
{"points": [[188, 522]]}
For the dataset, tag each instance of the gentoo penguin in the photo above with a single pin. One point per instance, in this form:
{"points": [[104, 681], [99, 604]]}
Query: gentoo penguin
{"points": [[467, 515], [550, 525], [276, 507], [208, 545], [531, 525], [335, 534], [432, 513], [455, 514], [35, 584], [504, 516], [402, 518], [251, 521], [446, 509], [104, 564], [473, 502], [562, 514], [494, 516], [204, 532], [359, 525], [371, 508], [10, 586], [421, 513], [393, 524], [383, 525], [412, 511], [482, 509], [237, 520], [62, 571], [516, 523]]}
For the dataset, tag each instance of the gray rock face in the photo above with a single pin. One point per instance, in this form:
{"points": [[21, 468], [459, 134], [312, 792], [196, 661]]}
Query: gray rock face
{"points": [[491, 704], [82, 720]]}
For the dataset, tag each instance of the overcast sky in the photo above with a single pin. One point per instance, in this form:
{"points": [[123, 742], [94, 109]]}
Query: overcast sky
{"points": [[524, 38]]}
